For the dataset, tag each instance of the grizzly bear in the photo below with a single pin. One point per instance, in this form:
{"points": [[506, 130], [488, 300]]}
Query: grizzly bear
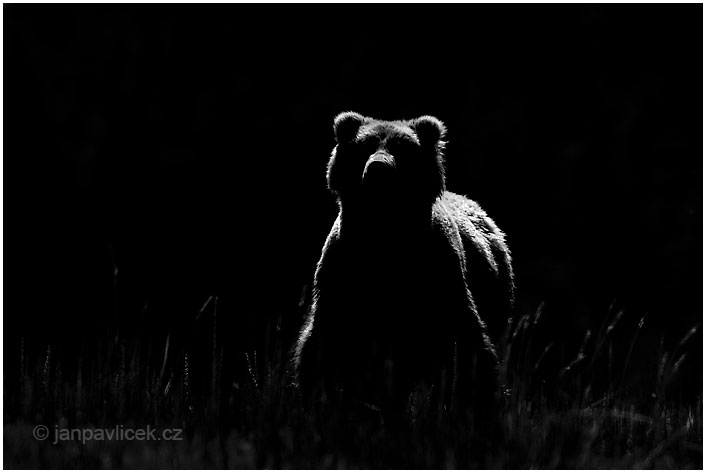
{"points": [[409, 276]]}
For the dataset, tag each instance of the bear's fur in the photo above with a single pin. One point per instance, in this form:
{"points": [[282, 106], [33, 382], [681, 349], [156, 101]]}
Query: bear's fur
{"points": [[406, 275]]}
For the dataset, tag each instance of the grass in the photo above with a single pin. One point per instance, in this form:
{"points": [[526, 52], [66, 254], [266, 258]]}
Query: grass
{"points": [[590, 413]]}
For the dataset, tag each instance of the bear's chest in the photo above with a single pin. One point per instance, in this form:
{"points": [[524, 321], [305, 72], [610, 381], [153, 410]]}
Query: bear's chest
{"points": [[389, 287], [385, 269]]}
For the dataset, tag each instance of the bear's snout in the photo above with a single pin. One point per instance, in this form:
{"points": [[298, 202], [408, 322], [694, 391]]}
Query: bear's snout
{"points": [[379, 170]]}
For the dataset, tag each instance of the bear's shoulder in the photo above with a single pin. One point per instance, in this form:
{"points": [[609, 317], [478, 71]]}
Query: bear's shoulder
{"points": [[459, 205], [463, 221], [455, 209]]}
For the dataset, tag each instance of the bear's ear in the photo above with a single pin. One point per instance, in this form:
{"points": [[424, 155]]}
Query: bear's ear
{"points": [[346, 125], [429, 130]]}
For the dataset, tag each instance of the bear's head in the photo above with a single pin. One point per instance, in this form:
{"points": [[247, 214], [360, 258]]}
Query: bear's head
{"points": [[377, 161]]}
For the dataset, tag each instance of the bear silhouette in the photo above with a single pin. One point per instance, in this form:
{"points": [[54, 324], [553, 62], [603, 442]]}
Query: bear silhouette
{"points": [[409, 276]]}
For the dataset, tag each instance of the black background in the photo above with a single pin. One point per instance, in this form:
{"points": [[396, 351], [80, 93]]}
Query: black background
{"points": [[186, 146]]}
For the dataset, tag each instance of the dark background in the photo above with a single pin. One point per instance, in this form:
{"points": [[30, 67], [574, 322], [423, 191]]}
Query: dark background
{"points": [[186, 146]]}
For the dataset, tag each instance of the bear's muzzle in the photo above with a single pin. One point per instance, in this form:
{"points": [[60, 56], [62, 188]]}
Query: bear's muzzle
{"points": [[379, 170]]}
